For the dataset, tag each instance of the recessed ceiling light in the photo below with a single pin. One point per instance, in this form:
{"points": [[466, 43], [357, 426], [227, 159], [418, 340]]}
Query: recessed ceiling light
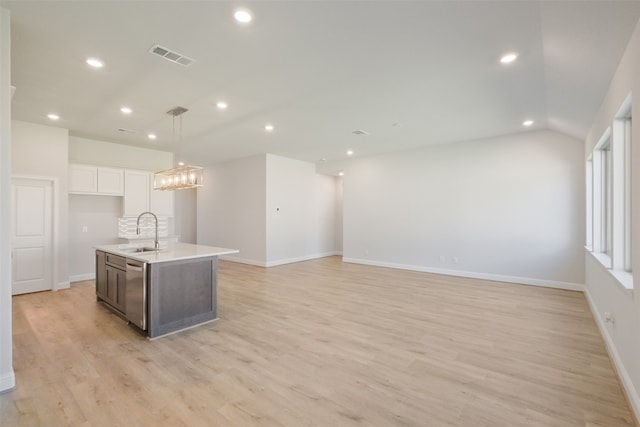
{"points": [[527, 123], [243, 16], [268, 128], [222, 105], [508, 58], [126, 110], [53, 116], [341, 173], [152, 136], [95, 63], [350, 153]]}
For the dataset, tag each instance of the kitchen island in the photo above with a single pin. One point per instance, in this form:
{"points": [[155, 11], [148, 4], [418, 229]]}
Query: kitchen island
{"points": [[160, 291]]}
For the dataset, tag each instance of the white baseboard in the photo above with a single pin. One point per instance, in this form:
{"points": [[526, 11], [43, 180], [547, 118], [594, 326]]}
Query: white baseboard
{"points": [[242, 260], [7, 382], [62, 285], [82, 277], [473, 275], [278, 262], [623, 374], [300, 259]]}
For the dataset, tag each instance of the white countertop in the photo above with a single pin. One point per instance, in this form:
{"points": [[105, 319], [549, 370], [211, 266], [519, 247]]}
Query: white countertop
{"points": [[167, 252]]}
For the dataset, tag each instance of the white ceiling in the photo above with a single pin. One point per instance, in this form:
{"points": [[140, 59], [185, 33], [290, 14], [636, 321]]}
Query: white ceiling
{"points": [[409, 73]]}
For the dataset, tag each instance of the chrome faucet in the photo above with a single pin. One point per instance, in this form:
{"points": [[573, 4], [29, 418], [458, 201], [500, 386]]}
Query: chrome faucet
{"points": [[157, 244]]}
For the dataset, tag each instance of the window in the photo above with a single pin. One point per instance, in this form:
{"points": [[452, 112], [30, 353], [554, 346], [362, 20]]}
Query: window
{"points": [[603, 198], [589, 202], [608, 198], [622, 142], [627, 192], [606, 164]]}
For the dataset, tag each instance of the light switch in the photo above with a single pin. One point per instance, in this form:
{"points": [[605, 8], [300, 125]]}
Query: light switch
{"points": [[85, 229]]}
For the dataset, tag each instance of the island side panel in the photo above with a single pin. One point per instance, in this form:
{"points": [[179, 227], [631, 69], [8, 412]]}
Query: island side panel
{"points": [[181, 294]]}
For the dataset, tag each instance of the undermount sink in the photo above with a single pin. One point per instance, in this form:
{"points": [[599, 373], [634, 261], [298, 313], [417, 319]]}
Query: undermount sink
{"points": [[138, 250]]}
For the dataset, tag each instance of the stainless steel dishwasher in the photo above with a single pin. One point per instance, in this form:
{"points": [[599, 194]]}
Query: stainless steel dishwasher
{"points": [[136, 293]]}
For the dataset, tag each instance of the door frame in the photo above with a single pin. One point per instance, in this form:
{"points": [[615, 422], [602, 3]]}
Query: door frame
{"points": [[55, 224]]}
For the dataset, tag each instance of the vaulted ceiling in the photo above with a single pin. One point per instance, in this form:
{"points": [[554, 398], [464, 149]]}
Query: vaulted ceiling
{"points": [[408, 73]]}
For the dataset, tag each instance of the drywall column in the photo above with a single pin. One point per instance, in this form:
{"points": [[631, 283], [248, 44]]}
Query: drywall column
{"points": [[300, 211], [231, 208], [7, 376]]}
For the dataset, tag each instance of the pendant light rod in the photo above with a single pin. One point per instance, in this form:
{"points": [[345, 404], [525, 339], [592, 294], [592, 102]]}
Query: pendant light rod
{"points": [[177, 111]]}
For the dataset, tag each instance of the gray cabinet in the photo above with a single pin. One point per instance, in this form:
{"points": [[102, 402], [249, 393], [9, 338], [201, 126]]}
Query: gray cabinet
{"points": [[116, 287], [111, 280], [182, 294], [165, 296]]}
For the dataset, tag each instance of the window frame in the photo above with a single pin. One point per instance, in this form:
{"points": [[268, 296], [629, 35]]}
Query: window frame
{"points": [[608, 198]]}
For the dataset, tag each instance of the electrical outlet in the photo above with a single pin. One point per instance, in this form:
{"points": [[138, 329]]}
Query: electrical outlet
{"points": [[609, 318], [85, 229], [455, 260], [442, 259]]}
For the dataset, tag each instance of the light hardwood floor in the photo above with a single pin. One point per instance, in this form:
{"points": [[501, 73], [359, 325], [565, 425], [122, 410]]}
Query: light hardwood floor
{"points": [[320, 343]]}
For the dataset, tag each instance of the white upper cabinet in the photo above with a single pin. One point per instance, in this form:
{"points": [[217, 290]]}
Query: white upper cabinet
{"points": [[83, 179], [136, 192], [135, 185], [87, 179], [161, 201], [111, 181]]}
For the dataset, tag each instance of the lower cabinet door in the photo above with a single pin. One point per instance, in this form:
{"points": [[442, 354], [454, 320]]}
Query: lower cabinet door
{"points": [[112, 284], [116, 287], [122, 291]]}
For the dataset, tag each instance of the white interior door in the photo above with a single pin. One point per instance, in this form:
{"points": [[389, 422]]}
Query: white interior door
{"points": [[31, 235]]}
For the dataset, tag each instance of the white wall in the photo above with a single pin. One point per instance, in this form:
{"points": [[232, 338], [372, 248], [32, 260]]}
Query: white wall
{"points": [[231, 208], [41, 151], [100, 215], [7, 376], [603, 291], [301, 211], [508, 208]]}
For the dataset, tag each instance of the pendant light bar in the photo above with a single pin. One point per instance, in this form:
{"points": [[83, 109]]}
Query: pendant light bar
{"points": [[179, 178], [182, 176]]}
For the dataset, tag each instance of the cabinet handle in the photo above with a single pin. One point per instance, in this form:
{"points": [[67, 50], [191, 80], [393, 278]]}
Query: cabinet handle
{"points": [[133, 267]]}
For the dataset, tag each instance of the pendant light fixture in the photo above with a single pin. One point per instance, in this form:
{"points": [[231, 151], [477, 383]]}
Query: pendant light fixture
{"points": [[182, 176]]}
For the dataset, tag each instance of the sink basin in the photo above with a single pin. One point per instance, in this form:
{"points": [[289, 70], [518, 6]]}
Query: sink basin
{"points": [[139, 250]]}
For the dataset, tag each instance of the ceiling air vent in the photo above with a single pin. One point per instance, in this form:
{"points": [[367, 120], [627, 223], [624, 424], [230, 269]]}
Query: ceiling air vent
{"points": [[360, 132], [127, 130], [170, 55]]}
